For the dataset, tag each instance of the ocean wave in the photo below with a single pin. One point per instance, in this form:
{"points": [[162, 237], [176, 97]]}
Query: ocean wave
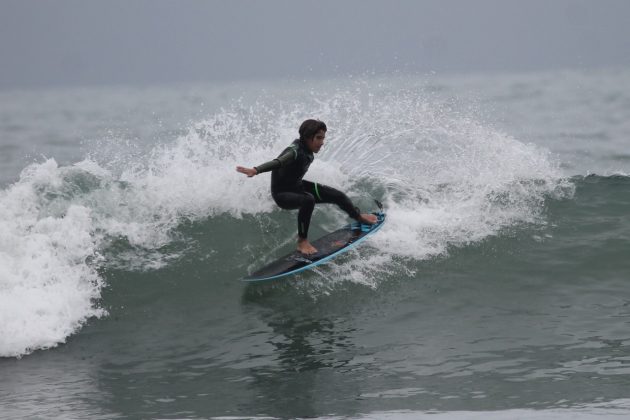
{"points": [[446, 180]]}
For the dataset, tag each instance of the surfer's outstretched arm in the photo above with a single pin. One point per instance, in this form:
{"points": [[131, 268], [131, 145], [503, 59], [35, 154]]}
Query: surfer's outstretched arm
{"points": [[269, 166]]}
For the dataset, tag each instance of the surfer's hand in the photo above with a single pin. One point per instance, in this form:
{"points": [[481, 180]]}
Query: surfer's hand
{"points": [[250, 172]]}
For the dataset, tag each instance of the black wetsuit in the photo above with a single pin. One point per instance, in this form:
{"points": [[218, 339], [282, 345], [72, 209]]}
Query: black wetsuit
{"points": [[290, 191]]}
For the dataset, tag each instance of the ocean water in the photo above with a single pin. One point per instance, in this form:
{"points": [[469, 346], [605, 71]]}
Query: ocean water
{"points": [[498, 287]]}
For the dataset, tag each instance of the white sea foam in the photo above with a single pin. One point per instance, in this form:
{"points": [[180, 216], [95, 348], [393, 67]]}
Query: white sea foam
{"points": [[47, 289]]}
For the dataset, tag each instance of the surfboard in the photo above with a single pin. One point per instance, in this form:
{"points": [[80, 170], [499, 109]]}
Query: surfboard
{"points": [[328, 247]]}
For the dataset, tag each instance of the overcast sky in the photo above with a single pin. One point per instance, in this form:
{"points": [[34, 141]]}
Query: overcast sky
{"points": [[83, 42]]}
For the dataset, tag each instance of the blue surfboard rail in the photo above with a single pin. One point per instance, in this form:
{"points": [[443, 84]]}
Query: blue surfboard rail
{"points": [[365, 228]]}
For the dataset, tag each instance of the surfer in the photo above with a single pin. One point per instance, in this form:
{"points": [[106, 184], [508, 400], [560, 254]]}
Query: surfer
{"points": [[291, 192]]}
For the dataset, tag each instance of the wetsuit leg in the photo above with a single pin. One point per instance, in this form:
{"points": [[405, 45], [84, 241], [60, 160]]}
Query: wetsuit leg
{"points": [[294, 200], [325, 194]]}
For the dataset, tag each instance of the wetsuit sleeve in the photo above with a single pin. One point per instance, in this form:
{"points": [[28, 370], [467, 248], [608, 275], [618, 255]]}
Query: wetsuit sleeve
{"points": [[283, 159]]}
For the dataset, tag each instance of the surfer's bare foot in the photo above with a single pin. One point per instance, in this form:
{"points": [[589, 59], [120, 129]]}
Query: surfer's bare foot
{"points": [[368, 219], [305, 247]]}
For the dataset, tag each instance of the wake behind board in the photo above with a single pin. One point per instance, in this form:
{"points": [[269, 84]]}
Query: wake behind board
{"points": [[328, 247]]}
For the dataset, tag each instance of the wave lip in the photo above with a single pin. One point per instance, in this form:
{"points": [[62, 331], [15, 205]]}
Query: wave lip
{"points": [[47, 289]]}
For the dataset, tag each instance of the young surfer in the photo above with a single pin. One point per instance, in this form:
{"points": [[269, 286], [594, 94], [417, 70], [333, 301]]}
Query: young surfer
{"points": [[290, 191]]}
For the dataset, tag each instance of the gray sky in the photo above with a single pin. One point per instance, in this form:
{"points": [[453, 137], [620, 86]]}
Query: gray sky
{"points": [[83, 42]]}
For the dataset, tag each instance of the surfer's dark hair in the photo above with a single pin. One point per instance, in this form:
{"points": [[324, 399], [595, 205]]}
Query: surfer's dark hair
{"points": [[309, 128]]}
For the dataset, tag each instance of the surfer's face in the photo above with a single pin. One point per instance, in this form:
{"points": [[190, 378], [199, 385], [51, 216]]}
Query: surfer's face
{"points": [[317, 141]]}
